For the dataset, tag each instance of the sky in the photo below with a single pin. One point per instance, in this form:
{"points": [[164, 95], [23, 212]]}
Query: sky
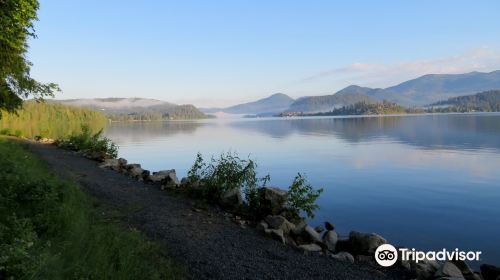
{"points": [[219, 53]]}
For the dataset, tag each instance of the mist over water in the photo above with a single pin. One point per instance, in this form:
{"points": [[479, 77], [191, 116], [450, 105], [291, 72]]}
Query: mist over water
{"points": [[425, 181]]}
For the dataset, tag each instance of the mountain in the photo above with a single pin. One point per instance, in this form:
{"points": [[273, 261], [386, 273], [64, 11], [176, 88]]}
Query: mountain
{"points": [[421, 91], [125, 109], [325, 103], [488, 101], [435, 87], [275, 103]]}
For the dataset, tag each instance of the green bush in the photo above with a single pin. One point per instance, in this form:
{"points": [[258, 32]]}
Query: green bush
{"points": [[49, 229], [212, 180], [88, 141], [302, 197], [225, 173], [6, 131]]}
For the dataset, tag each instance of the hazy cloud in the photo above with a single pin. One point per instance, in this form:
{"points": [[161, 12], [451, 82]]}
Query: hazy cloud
{"points": [[384, 75]]}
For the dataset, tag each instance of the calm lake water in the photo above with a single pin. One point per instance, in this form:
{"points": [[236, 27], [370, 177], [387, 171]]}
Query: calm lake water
{"points": [[426, 181]]}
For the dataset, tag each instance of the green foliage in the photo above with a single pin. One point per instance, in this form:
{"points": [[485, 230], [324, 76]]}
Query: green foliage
{"points": [[488, 101], [302, 197], [50, 230], [157, 113], [88, 141], [51, 120], [223, 174], [16, 27], [212, 180]]}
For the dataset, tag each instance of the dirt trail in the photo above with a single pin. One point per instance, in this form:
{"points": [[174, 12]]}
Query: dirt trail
{"points": [[204, 241]]}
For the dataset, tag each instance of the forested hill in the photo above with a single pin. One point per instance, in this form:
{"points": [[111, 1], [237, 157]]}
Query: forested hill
{"points": [[487, 101], [136, 109]]}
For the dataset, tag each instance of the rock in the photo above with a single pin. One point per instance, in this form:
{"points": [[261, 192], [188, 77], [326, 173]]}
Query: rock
{"points": [[299, 228], [96, 155], [319, 229], [279, 222], [329, 226], [232, 198], [312, 234], [365, 243], [330, 239], [467, 272], [131, 166], [167, 178], [343, 256], [448, 269], [136, 172], [276, 234], [272, 200], [262, 226], [424, 269], [310, 247], [122, 162], [490, 272], [110, 163]]}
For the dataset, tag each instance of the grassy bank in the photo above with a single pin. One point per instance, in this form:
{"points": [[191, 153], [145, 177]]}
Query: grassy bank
{"points": [[49, 120], [49, 229]]}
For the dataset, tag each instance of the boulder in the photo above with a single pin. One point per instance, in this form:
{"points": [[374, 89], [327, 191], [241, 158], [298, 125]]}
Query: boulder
{"points": [[490, 272], [448, 269], [279, 222], [365, 243], [232, 198], [272, 200], [424, 269], [312, 234], [319, 229], [467, 272], [310, 247], [111, 163], [167, 178], [343, 256], [122, 162], [330, 239], [329, 226], [136, 172], [276, 234], [96, 155], [262, 226]]}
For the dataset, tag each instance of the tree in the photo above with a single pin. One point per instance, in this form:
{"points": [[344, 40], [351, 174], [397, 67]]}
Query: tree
{"points": [[16, 27]]}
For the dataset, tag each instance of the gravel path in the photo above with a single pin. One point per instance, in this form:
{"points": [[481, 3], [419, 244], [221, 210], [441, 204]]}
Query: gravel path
{"points": [[209, 245]]}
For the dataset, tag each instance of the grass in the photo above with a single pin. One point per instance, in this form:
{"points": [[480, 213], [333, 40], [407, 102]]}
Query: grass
{"points": [[49, 229]]}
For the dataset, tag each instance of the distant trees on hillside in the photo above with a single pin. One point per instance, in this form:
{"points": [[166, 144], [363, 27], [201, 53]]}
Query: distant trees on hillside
{"points": [[181, 112], [488, 101]]}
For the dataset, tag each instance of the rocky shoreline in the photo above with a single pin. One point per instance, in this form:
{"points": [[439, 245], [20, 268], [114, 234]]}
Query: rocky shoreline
{"points": [[357, 247]]}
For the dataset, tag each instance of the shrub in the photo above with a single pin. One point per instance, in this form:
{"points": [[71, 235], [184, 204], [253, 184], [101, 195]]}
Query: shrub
{"points": [[88, 141], [6, 131], [225, 173], [212, 180], [302, 197]]}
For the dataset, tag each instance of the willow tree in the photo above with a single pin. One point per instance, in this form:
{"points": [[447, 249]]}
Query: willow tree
{"points": [[16, 28]]}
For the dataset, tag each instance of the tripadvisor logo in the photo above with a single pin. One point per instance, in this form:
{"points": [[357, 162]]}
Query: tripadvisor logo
{"points": [[387, 255]]}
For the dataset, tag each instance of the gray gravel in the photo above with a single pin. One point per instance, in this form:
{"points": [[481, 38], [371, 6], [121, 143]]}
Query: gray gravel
{"points": [[208, 244]]}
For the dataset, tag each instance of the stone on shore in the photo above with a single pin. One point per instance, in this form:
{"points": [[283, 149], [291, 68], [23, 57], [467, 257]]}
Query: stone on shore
{"points": [[262, 226], [448, 269], [424, 269], [279, 222], [329, 226], [330, 239], [276, 234], [232, 198], [312, 234], [467, 272], [343, 256], [111, 163], [365, 243], [310, 247], [272, 200]]}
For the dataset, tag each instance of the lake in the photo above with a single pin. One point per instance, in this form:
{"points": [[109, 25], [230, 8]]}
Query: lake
{"points": [[424, 181]]}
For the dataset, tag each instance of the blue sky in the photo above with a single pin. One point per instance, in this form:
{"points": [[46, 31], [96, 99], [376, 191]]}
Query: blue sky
{"points": [[217, 53]]}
